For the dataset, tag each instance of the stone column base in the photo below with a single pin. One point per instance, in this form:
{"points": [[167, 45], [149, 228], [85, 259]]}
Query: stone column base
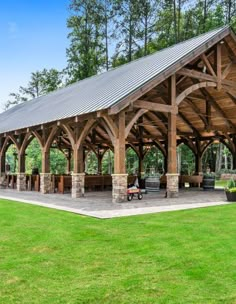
{"points": [[3, 182], [172, 186], [119, 188], [21, 182], [78, 181], [45, 183]]}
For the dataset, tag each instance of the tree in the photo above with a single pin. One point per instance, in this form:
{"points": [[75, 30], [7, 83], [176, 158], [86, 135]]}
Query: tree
{"points": [[147, 23], [126, 26], [41, 83], [86, 54]]}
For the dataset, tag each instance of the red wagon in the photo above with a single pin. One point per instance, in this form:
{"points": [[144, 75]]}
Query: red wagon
{"points": [[132, 192]]}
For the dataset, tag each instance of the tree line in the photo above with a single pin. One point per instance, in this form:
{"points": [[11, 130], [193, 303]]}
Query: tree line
{"points": [[107, 33]]}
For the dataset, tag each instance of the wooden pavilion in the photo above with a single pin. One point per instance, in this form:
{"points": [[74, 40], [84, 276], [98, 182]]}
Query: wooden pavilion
{"points": [[183, 94]]}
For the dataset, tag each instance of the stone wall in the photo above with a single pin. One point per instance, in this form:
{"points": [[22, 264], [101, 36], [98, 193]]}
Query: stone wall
{"points": [[3, 181], [119, 188], [78, 181]]}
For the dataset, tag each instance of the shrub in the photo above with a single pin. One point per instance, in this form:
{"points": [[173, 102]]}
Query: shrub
{"points": [[231, 185], [232, 190]]}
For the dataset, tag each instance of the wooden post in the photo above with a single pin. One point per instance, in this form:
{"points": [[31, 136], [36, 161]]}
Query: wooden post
{"points": [[119, 178], [99, 157], [45, 176], [172, 176], [119, 148], [218, 66], [45, 161], [198, 164], [69, 161], [2, 163], [78, 160], [21, 162], [2, 170]]}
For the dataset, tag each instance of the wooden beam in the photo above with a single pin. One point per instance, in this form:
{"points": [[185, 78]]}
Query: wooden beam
{"points": [[156, 107], [193, 88], [208, 65], [231, 53], [172, 162], [201, 76], [133, 120], [197, 111], [227, 70], [188, 123], [168, 72], [218, 109], [218, 67], [208, 114], [196, 74]]}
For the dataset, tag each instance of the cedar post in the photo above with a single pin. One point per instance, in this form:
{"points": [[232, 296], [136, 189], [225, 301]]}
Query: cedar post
{"points": [[119, 178], [172, 188], [99, 158], [198, 159], [69, 161], [2, 169], [198, 164], [45, 176]]}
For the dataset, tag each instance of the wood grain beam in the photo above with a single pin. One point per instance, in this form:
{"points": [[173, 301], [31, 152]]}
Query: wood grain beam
{"points": [[188, 123], [155, 107], [208, 65]]}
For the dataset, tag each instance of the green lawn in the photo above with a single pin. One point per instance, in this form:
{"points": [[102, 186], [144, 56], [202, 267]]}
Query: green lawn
{"points": [[49, 256], [221, 183]]}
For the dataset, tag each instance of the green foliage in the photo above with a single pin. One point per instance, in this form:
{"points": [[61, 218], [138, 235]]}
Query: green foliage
{"points": [[33, 156], [58, 162], [41, 83], [153, 161], [108, 162], [232, 190], [231, 186], [132, 161], [91, 163], [86, 54]]}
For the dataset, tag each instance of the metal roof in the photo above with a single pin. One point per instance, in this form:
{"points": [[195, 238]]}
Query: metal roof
{"points": [[101, 91]]}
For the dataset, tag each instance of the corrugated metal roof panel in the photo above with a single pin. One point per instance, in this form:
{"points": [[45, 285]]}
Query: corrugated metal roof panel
{"points": [[100, 91]]}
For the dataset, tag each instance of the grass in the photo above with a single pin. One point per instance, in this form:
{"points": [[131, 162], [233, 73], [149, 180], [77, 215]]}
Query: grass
{"points": [[221, 183], [49, 256]]}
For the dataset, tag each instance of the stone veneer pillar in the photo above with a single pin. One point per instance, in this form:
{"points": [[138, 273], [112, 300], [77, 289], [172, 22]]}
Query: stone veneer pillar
{"points": [[172, 187], [119, 188], [3, 181], [21, 182], [45, 183], [78, 181]]}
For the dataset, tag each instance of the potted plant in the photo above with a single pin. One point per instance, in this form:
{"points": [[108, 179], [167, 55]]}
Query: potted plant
{"points": [[208, 182], [230, 191]]}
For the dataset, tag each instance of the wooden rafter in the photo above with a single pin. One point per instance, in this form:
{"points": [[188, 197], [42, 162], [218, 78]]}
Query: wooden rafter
{"points": [[208, 65]]}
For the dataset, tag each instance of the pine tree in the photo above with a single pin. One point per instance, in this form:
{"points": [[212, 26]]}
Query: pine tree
{"points": [[86, 54]]}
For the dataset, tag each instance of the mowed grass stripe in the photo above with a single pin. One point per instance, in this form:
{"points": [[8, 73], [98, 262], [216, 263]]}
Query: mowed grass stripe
{"points": [[50, 256]]}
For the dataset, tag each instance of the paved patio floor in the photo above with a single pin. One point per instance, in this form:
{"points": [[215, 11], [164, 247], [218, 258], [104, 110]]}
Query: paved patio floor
{"points": [[99, 204]]}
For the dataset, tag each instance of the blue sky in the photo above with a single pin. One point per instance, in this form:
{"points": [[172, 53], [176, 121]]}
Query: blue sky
{"points": [[33, 36]]}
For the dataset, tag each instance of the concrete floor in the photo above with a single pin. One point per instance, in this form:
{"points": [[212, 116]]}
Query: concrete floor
{"points": [[99, 204]]}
